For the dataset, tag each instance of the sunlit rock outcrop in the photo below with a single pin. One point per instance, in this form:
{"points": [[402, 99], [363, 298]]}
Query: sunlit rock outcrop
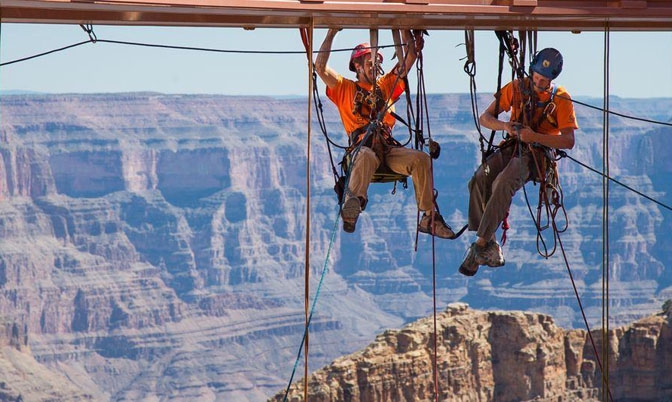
{"points": [[498, 356]]}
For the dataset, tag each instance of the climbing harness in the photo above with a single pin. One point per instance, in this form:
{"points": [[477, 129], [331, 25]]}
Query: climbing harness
{"points": [[543, 163], [508, 45], [544, 172], [470, 70]]}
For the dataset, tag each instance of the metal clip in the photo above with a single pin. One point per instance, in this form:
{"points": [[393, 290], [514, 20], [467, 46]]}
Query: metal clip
{"points": [[88, 28]]}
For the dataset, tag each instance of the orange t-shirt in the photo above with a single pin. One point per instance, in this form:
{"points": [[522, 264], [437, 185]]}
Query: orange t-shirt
{"points": [[343, 95], [563, 114]]}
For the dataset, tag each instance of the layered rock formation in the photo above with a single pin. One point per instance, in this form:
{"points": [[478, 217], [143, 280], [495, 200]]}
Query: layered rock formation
{"points": [[154, 245], [499, 356], [22, 378]]}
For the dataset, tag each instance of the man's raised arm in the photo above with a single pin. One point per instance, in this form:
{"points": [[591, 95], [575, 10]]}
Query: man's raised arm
{"points": [[328, 75]]}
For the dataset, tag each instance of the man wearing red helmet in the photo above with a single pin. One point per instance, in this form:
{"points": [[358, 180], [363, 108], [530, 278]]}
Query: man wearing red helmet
{"points": [[542, 114], [360, 104]]}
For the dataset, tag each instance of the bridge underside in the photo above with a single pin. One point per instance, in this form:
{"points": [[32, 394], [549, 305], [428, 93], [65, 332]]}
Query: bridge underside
{"points": [[555, 15]]}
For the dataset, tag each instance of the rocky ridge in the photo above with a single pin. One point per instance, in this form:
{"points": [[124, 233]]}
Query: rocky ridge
{"points": [[501, 356]]}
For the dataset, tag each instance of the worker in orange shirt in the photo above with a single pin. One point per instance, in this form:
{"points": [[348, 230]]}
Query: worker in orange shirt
{"points": [[359, 106]]}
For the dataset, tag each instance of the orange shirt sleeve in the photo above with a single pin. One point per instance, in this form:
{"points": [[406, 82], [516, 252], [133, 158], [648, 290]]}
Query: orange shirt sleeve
{"points": [[506, 97], [565, 110]]}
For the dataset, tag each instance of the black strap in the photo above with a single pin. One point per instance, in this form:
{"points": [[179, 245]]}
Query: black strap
{"points": [[375, 108], [502, 48]]}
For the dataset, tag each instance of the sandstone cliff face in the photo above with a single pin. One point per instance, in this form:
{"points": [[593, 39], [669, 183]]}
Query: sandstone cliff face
{"points": [[151, 243], [22, 378], [498, 356]]}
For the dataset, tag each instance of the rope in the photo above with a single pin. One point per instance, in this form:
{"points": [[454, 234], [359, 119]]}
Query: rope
{"points": [[44, 53], [435, 336], [304, 339], [410, 114], [279, 52], [623, 115], [470, 70], [583, 314], [605, 218], [175, 47], [0, 83], [234, 51], [312, 307], [556, 235], [551, 215], [424, 112], [307, 245], [564, 154]]}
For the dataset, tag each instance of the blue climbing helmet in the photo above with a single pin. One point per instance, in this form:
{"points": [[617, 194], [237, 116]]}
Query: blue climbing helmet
{"points": [[547, 62]]}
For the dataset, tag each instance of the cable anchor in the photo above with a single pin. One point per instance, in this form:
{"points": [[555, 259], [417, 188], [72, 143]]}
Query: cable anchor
{"points": [[88, 28]]}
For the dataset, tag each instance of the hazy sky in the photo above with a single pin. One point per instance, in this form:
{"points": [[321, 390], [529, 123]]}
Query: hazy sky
{"points": [[641, 63]]}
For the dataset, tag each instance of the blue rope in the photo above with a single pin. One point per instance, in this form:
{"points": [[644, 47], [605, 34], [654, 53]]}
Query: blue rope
{"points": [[312, 307], [355, 152], [324, 266]]}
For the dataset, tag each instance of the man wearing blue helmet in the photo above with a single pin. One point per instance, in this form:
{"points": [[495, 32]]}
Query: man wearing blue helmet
{"points": [[541, 114]]}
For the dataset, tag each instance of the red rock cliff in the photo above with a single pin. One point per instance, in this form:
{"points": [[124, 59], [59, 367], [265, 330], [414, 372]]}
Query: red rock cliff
{"points": [[499, 356]]}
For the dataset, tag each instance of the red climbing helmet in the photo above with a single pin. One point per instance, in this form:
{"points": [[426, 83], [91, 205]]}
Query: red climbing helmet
{"points": [[547, 62], [359, 51]]}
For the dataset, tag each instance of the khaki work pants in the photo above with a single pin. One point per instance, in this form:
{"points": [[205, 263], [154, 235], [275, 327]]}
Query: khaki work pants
{"points": [[402, 160], [492, 187]]}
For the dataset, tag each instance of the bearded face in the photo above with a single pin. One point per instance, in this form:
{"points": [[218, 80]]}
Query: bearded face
{"points": [[364, 68]]}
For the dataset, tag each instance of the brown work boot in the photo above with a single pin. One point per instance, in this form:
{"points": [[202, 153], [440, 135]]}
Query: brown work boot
{"points": [[469, 266], [490, 255], [350, 212], [441, 228]]}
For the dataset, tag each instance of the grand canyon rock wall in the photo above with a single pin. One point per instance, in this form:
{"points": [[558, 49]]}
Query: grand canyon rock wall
{"points": [[151, 243]]}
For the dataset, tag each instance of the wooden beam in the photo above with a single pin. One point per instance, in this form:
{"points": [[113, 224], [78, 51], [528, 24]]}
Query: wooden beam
{"points": [[567, 15]]}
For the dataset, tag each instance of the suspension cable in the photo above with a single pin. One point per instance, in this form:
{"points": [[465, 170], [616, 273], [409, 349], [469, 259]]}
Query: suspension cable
{"points": [[423, 115], [556, 235], [605, 217], [175, 47], [307, 245], [470, 70], [583, 314], [564, 154], [606, 110]]}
